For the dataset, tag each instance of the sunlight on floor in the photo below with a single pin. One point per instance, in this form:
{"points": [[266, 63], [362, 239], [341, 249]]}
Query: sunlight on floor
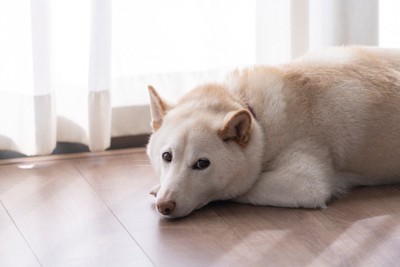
{"points": [[26, 166]]}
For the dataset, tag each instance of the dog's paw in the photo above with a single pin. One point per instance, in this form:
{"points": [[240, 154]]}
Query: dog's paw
{"points": [[155, 190]]}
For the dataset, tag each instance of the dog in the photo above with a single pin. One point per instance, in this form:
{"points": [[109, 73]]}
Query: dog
{"points": [[294, 135]]}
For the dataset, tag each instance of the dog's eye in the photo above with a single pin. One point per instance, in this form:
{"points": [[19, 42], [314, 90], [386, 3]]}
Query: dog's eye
{"points": [[167, 156], [201, 164]]}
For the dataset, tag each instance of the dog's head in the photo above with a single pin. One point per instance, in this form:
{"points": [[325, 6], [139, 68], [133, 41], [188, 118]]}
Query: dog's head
{"points": [[205, 148]]}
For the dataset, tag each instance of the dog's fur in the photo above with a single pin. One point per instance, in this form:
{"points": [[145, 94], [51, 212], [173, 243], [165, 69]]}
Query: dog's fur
{"points": [[292, 136]]}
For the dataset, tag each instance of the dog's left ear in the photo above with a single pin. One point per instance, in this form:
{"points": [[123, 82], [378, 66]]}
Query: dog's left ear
{"points": [[158, 108], [236, 127]]}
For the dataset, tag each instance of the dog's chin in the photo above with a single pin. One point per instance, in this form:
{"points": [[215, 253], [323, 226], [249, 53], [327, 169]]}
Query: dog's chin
{"points": [[176, 215], [183, 212]]}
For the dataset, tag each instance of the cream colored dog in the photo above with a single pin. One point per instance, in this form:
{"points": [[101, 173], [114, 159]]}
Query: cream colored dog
{"points": [[291, 136]]}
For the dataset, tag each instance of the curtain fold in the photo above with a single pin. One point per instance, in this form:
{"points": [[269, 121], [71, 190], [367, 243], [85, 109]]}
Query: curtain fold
{"points": [[100, 76], [343, 22], [78, 70], [27, 108], [44, 122], [99, 120]]}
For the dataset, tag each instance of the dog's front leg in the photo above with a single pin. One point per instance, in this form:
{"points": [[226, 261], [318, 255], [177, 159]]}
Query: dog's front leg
{"points": [[155, 189], [301, 182]]}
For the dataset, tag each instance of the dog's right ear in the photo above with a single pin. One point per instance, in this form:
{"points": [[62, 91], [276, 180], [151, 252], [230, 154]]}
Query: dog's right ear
{"points": [[158, 108]]}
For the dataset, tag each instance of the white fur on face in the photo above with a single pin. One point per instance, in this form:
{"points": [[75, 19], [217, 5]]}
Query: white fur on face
{"points": [[189, 141]]}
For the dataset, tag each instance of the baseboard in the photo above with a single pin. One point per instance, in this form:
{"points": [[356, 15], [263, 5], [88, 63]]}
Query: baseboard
{"points": [[72, 148]]}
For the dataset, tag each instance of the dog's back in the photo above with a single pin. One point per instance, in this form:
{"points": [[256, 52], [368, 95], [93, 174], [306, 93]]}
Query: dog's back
{"points": [[346, 100]]}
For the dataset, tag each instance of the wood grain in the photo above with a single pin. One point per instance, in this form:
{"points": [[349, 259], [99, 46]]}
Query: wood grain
{"points": [[96, 211], [14, 251], [63, 219]]}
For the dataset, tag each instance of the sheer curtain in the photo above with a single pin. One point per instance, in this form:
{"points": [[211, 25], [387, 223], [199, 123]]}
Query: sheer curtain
{"points": [[78, 70]]}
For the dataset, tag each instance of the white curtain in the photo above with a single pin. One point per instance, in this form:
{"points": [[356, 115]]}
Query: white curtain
{"points": [[78, 70]]}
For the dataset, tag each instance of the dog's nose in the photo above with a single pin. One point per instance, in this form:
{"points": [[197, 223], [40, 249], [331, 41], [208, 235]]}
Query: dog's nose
{"points": [[166, 207]]}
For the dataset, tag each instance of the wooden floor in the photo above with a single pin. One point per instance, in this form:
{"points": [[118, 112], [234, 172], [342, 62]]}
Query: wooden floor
{"points": [[96, 211]]}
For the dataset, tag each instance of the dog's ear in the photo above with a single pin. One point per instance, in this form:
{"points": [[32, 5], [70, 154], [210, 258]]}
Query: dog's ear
{"points": [[236, 127], [158, 108]]}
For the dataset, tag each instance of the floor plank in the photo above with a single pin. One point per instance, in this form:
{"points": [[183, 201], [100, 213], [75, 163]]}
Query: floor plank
{"points": [[96, 211], [14, 251], [370, 216], [63, 219]]}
